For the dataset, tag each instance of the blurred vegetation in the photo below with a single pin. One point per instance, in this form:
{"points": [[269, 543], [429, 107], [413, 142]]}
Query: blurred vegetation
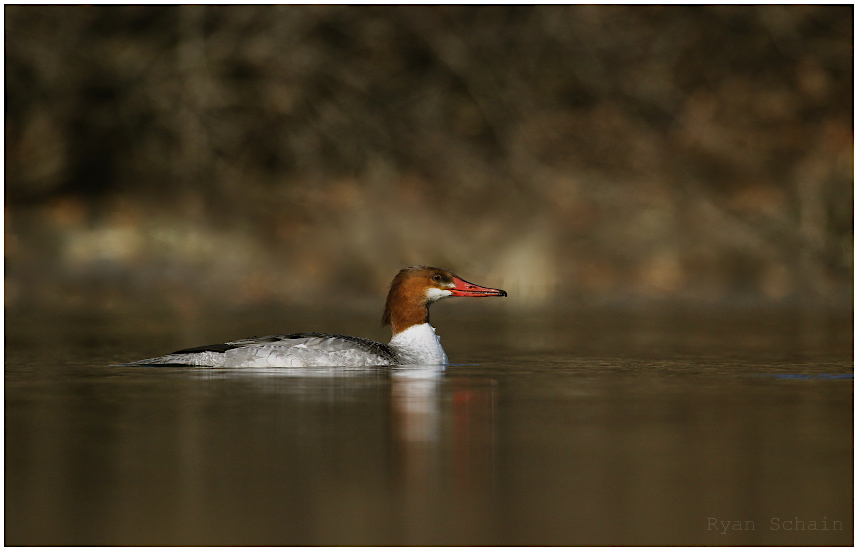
{"points": [[590, 153]]}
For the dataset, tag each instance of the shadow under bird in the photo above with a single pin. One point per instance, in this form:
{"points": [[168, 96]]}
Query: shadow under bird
{"points": [[414, 341]]}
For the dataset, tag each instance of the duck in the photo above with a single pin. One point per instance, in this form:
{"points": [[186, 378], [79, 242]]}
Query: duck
{"points": [[413, 341]]}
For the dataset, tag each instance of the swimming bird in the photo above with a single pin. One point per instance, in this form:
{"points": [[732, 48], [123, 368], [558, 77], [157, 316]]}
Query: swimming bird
{"points": [[414, 341]]}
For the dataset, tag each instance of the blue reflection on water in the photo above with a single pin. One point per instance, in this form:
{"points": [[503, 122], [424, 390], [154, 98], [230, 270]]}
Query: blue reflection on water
{"points": [[811, 375]]}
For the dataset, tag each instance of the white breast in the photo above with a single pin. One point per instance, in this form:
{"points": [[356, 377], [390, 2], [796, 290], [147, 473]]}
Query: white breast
{"points": [[418, 345]]}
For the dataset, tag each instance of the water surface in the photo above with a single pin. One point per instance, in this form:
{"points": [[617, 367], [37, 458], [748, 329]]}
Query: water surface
{"points": [[565, 428]]}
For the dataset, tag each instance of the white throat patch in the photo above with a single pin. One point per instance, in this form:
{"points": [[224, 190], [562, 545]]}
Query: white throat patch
{"points": [[434, 295]]}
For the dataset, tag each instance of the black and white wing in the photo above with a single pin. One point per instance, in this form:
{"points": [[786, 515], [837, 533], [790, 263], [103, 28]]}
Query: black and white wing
{"points": [[294, 350]]}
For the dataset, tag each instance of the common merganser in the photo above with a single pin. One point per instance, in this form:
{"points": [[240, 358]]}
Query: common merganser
{"points": [[414, 341]]}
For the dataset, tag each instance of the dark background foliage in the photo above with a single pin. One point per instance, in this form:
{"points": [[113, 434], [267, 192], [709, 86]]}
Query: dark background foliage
{"points": [[274, 152]]}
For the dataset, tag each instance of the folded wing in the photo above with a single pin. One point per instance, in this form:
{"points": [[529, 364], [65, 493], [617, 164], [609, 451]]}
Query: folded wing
{"points": [[294, 350]]}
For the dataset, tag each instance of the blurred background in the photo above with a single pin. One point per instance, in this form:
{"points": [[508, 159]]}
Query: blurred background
{"points": [[589, 154]]}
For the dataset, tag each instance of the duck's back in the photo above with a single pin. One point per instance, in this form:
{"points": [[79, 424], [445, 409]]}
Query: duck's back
{"points": [[294, 350]]}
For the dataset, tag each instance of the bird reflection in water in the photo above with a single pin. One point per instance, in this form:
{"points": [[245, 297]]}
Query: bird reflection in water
{"points": [[444, 433], [440, 433]]}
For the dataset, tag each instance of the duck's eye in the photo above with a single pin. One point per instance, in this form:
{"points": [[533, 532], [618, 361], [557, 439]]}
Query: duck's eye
{"points": [[436, 277]]}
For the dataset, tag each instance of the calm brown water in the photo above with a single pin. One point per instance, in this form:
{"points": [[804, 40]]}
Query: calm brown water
{"points": [[574, 428]]}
